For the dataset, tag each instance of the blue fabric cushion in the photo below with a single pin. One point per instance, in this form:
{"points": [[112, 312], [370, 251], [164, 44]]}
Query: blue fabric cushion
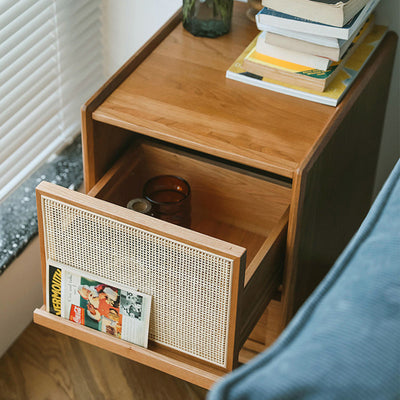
{"points": [[344, 343]]}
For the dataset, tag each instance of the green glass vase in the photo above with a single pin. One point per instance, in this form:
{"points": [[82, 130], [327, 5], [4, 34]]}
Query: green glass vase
{"points": [[207, 18]]}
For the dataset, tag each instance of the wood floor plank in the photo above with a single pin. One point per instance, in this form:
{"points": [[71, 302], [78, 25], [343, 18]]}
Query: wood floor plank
{"points": [[43, 364]]}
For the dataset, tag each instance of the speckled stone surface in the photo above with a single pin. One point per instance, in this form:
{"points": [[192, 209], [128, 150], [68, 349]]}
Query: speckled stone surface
{"points": [[18, 217]]}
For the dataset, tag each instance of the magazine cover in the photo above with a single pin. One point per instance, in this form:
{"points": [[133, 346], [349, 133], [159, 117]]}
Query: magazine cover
{"points": [[98, 304]]}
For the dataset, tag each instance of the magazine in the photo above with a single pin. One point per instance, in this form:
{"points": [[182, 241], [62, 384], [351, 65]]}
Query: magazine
{"points": [[97, 303]]}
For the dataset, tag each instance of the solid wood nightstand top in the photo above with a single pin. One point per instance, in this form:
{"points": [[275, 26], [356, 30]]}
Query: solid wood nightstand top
{"points": [[179, 94]]}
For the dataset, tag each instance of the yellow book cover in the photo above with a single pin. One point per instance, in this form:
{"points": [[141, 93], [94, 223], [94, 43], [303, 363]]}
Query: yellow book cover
{"points": [[296, 74], [336, 89]]}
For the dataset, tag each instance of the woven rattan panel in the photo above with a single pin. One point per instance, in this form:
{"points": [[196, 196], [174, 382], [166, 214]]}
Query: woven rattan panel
{"points": [[190, 287]]}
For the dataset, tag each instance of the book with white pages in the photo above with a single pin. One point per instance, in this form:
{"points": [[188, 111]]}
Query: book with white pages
{"points": [[307, 37], [331, 12], [333, 53], [292, 56], [267, 18]]}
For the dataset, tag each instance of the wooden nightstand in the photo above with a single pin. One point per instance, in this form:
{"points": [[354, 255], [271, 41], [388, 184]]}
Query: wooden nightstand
{"points": [[279, 187]]}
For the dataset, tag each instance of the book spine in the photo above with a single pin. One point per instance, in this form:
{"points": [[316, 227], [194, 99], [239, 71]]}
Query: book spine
{"points": [[263, 23], [281, 89]]}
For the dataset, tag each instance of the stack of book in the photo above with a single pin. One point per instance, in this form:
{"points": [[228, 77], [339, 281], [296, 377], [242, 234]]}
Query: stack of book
{"points": [[312, 49]]}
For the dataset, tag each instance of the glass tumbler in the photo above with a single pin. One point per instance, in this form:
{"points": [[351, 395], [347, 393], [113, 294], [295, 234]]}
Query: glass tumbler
{"points": [[207, 18], [169, 196]]}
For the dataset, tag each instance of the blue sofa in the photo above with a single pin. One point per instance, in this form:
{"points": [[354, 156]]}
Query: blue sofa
{"points": [[344, 343]]}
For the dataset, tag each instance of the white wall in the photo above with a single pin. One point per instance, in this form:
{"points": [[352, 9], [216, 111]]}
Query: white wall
{"points": [[129, 24], [388, 13], [20, 294]]}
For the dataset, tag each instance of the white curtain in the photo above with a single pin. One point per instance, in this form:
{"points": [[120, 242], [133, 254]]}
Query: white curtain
{"points": [[51, 62]]}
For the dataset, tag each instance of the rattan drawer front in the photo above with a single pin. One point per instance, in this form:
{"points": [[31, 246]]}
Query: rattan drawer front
{"points": [[194, 280]]}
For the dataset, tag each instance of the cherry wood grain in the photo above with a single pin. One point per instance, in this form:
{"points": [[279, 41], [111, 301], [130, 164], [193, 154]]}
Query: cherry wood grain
{"points": [[42, 245], [219, 192], [163, 359], [44, 364], [179, 94], [263, 277], [155, 356]]}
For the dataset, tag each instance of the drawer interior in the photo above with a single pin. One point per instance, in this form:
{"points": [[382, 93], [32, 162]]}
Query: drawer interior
{"points": [[228, 203], [233, 210]]}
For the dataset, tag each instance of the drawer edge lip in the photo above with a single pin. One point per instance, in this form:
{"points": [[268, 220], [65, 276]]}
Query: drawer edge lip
{"points": [[263, 278], [273, 166], [275, 235], [202, 377], [141, 221]]}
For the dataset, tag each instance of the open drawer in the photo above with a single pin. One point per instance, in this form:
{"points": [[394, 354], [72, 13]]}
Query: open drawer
{"points": [[209, 284]]}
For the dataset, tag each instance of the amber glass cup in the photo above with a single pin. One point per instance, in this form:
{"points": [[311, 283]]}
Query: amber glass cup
{"points": [[169, 197]]}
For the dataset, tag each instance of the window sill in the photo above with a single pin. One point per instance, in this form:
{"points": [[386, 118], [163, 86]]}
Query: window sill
{"points": [[18, 216]]}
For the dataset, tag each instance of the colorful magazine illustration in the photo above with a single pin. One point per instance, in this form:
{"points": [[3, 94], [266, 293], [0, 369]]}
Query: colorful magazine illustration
{"points": [[98, 304]]}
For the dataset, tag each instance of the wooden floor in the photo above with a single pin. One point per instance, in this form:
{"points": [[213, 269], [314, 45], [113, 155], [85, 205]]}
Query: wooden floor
{"points": [[43, 364]]}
